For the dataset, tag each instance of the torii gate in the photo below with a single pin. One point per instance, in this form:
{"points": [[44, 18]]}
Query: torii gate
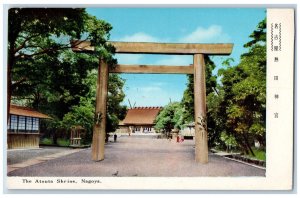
{"points": [[197, 69]]}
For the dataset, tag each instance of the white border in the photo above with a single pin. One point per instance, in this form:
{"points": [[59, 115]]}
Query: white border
{"points": [[279, 170]]}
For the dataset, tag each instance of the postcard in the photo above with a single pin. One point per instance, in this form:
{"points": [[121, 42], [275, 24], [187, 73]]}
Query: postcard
{"points": [[166, 98]]}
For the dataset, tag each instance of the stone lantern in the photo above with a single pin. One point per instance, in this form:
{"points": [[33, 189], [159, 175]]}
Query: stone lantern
{"points": [[174, 133]]}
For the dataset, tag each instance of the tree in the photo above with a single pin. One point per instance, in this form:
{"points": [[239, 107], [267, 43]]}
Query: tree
{"points": [[169, 118], [188, 98], [115, 111], [236, 106], [35, 39], [54, 84], [46, 74], [244, 86], [82, 114], [188, 95], [215, 120]]}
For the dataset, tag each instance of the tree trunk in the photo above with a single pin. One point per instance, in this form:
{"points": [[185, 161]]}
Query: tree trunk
{"points": [[248, 145], [8, 91], [54, 138], [9, 84], [10, 63]]}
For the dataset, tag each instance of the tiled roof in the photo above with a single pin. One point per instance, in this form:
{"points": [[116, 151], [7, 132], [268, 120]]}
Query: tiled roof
{"points": [[26, 111], [141, 115]]}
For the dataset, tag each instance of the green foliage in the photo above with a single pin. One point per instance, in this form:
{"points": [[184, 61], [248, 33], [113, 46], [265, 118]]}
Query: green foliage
{"points": [[188, 100], [258, 35], [215, 120], [228, 140], [188, 95], [63, 142], [236, 107], [115, 111], [36, 31], [46, 141], [44, 72], [244, 85], [259, 154], [169, 118], [60, 142], [83, 113]]}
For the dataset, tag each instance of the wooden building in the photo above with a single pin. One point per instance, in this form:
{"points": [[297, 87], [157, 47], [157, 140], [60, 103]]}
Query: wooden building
{"points": [[24, 127], [139, 120]]}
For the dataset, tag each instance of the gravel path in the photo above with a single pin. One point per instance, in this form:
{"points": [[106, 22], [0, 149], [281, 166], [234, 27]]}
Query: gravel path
{"points": [[18, 156], [141, 157]]}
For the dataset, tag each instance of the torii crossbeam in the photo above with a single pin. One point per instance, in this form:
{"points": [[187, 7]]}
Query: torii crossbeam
{"points": [[197, 69]]}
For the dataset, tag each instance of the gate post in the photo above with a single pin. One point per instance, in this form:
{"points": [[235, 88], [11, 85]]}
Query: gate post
{"points": [[201, 144], [99, 130]]}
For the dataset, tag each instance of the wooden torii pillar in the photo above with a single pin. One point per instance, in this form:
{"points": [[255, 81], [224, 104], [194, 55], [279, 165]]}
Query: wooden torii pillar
{"points": [[198, 70], [99, 130]]}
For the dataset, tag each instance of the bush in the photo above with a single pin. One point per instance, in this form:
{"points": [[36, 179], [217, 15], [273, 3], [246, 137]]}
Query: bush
{"points": [[63, 142], [259, 154], [46, 141]]}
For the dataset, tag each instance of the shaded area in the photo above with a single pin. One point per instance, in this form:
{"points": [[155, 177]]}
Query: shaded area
{"points": [[132, 157], [18, 156]]}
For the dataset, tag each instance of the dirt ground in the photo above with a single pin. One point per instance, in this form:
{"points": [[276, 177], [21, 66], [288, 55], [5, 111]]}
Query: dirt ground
{"points": [[22, 155], [139, 157]]}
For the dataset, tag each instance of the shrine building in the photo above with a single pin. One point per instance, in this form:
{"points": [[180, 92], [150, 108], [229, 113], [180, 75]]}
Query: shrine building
{"points": [[23, 127], [139, 120]]}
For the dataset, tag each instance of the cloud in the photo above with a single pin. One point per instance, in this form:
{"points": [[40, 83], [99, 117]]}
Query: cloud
{"points": [[212, 34], [175, 60], [150, 89], [128, 58], [139, 37], [136, 37], [154, 94], [159, 84]]}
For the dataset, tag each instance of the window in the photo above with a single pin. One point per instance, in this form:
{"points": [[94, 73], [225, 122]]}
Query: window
{"points": [[13, 123], [28, 123], [35, 124], [22, 124]]}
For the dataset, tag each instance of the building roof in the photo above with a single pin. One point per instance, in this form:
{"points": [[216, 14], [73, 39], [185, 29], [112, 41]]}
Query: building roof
{"points": [[26, 111], [141, 116]]}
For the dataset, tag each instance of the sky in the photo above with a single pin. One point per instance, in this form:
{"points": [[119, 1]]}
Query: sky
{"points": [[174, 25]]}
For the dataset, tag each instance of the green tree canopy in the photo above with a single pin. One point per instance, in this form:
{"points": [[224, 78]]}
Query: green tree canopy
{"points": [[188, 99], [44, 72], [188, 95], [244, 105], [169, 118], [236, 104], [39, 51]]}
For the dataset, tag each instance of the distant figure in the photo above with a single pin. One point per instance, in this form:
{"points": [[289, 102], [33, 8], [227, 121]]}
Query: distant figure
{"points": [[115, 137], [169, 137], [181, 139]]}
